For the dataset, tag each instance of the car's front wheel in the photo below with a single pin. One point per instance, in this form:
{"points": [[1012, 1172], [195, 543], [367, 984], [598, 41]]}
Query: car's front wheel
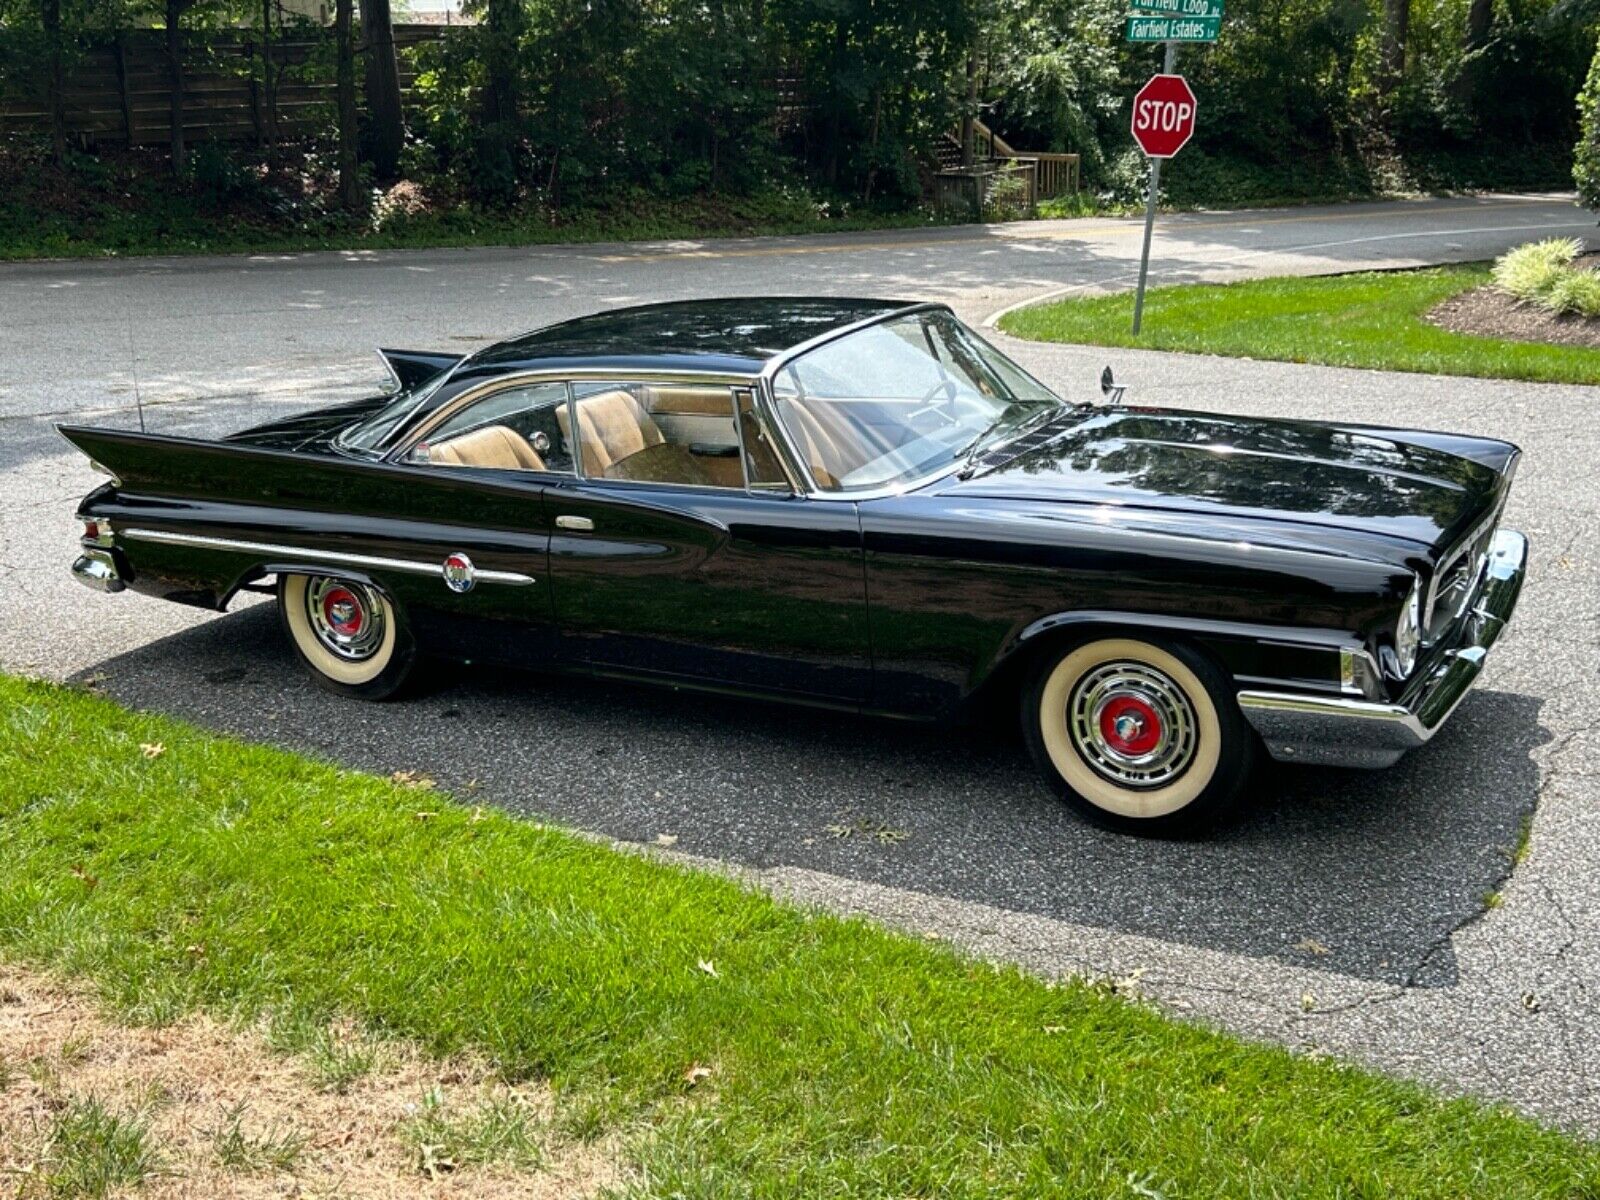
{"points": [[1138, 736], [348, 633]]}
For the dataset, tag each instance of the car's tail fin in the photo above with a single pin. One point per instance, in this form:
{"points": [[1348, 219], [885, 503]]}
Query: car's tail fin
{"points": [[411, 367], [163, 464]]}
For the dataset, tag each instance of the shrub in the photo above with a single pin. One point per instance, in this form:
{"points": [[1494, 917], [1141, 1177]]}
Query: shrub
{"points": [[1575, 292], [1586, 154], [1529, 271]]}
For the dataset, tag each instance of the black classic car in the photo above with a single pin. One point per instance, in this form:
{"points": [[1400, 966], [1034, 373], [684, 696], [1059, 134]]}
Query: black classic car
{"points": [[861, 504]]}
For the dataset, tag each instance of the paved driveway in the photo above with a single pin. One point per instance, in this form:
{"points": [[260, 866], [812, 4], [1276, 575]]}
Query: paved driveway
{"points": [[1346, 912]]}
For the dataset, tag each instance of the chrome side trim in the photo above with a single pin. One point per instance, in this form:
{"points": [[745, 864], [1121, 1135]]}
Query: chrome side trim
{"points": [[337, 557], [1329, 731]]}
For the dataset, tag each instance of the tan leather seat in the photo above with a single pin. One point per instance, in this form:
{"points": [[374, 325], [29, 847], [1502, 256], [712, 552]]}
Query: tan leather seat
{"points": [[611, 427], [688, 401], [821, 449], [491, 446]]}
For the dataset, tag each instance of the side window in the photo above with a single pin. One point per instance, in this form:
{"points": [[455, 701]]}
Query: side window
{"points": [[762, 467], [683, 433], [519, 429]]}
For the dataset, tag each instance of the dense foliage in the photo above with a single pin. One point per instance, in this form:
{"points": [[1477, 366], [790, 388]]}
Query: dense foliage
{"points": [[1586, 157], [551, 105]]}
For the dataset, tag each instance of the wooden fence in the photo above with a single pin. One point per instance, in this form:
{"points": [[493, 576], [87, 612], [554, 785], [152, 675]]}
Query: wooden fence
{"points": [[117, 92]]}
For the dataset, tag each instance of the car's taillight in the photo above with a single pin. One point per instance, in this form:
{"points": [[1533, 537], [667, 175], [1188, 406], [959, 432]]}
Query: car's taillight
{"points": [[96, 531]]}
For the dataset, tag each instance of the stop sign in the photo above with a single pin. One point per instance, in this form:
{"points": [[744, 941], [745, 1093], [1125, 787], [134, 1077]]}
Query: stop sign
{"points": [[1163, 115]]}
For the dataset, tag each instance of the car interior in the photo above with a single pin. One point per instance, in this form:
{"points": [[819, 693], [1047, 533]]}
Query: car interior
{"points": [[661, 433]]}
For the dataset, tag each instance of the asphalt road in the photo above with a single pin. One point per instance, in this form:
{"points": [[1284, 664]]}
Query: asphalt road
{"points": [[1346, 912]]}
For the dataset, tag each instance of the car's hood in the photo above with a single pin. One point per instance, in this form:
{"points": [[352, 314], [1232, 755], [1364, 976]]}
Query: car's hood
{"points": [[1343, 477]]}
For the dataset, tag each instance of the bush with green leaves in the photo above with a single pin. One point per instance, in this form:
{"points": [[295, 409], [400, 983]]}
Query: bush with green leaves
{"points": [[1545, 273], [1574, 293], [1529, 271], [1586, 155]]}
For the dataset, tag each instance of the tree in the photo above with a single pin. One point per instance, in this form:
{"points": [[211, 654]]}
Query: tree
{"points": [[503, 30], [50, 17], [174, 30], [388, 131], [269, 82], [1480, 16], [1396, 30], [345, 87]]}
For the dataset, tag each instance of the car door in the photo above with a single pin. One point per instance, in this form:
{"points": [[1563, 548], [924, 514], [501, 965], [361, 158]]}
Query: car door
{"points": [[680, 551], [479, 473]]}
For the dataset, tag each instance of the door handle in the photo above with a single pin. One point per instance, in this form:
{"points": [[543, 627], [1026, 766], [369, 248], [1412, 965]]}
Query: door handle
{"points": [[582, 524]]}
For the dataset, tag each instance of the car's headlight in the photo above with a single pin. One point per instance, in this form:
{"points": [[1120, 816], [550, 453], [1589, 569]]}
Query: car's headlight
{"points": [[1408, 632]]}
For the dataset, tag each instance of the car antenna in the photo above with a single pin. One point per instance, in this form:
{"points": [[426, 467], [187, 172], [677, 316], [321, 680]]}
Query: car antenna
{"points": [[138, 396], [1110, 387]]}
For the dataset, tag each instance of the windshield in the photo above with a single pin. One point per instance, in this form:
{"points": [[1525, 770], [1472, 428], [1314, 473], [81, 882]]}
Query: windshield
{"points": [[369, 435], [901, 399]]}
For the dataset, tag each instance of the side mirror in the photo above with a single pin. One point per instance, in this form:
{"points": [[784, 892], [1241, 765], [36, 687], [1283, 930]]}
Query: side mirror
{"points": [[1109, 386]]}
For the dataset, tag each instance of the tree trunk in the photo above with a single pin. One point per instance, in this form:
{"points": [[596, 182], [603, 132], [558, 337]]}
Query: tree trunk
{"points": [[872, 163], [383, 88], [1396, 28], [269, 85], [500, 100], [50, 15], [969, 110], [1480, 15], [175, 10], [349, 180]]}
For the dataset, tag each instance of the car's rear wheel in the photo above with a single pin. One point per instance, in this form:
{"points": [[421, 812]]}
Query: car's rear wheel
{"points": [[349, 634], [1138, 736]]}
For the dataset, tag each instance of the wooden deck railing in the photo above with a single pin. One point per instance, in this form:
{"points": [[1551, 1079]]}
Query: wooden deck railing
{"points": [[1054, 174]]}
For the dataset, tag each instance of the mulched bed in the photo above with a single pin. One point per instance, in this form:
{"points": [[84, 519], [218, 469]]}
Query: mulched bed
{"points": [[1489, 312]]}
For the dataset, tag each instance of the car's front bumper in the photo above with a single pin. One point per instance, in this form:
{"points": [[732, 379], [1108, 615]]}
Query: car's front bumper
{"points": [[1333, 731]]}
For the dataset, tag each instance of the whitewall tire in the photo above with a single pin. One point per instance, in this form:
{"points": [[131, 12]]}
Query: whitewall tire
{"points": [[1138, 735], [348, 633]]}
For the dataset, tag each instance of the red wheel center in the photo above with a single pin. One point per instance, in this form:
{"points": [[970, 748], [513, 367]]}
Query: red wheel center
{"points": [[342, 611], [1130, 725]]}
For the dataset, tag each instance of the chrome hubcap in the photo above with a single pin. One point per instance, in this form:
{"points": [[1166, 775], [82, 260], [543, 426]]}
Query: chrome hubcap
{"points": [[347, 618], [1132, 724]]}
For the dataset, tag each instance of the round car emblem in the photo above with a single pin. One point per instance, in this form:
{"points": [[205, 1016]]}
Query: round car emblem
{"points": [[458, 573], [1130, 725], [342, 611]]}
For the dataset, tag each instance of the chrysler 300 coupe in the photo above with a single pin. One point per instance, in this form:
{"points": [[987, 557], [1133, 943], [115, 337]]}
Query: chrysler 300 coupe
{"points": [[860, 504]]}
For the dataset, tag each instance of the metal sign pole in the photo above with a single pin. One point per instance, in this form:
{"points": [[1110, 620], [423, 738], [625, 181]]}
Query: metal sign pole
{"points": [[1150, 206]]}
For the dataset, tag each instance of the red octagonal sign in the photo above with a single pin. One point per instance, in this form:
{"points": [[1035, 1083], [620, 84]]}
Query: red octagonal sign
{"points": [[1163, 116]]}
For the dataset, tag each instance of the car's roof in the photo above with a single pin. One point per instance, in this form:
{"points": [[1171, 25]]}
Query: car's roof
{"points": [[734, 336]]}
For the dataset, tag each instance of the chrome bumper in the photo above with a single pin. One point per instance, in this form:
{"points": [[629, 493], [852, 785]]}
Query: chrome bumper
{"points": [[1329, 731], [97, 569]]}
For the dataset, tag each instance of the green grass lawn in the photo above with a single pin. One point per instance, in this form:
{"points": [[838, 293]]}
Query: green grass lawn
{"points": [[1372, 319], [180, 870]]}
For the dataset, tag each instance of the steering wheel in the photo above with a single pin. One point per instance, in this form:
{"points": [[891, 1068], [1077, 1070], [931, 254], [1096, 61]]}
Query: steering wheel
{"points": [[926, 402]]}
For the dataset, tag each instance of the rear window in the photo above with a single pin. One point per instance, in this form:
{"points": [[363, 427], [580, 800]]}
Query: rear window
{"points": [[371, 434]]}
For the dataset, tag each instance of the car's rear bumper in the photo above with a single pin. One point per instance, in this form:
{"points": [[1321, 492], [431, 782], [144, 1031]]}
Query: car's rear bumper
{"points": [[1333, 731], [98, 569]]}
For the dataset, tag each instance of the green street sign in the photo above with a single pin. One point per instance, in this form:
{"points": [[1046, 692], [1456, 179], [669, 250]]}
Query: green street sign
{"points": [[1175, 8], [1173, 29]]}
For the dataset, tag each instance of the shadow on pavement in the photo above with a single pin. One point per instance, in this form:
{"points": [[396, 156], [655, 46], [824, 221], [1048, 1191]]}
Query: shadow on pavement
{"points": [[1377, 868]]}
